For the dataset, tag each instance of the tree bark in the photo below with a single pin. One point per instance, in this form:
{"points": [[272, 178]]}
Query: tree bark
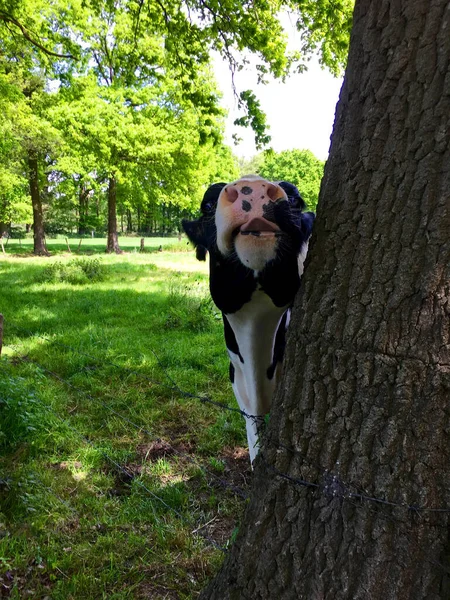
{"points": [[113, 240], [40, 247], [361, 417]]}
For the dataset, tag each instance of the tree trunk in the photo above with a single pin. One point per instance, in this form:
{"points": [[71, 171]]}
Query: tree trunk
{"points": [[83, 202], [360, 422], [113, 240], [40, 248]]}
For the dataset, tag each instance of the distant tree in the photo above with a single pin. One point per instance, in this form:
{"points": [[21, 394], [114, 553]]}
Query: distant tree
{"points": [[300, 167]]}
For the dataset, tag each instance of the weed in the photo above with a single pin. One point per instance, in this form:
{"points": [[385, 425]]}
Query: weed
{"points": [[76, 272]]}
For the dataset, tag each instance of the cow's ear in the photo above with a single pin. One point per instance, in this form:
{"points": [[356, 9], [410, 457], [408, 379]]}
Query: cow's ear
{"points": [[199, 232], [293, 194], [209, 202], [202, 231]]}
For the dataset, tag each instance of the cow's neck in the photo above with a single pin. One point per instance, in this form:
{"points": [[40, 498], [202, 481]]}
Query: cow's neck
{"points": [[254, 327]]}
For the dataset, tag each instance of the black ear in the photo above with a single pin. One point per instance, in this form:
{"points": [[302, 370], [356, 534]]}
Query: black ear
{"points": [[293, 194], [202, 231], [209, 202]]}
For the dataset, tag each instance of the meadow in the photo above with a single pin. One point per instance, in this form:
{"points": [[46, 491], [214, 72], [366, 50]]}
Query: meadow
{"points": [[117, 479]]}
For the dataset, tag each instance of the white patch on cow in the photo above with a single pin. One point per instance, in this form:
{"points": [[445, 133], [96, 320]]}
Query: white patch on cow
{"points": [[255, 252], [302, 257], [255, 326]]}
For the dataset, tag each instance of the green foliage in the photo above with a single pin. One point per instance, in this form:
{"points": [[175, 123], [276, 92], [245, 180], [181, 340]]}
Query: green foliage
{"points": [[300, 167], [76, 272], [324, 26]]}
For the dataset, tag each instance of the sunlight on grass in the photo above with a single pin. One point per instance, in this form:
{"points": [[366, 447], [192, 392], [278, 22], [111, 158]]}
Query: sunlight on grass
{"points": [[106, 467]]}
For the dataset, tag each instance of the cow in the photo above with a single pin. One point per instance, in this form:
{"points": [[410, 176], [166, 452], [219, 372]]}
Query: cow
{"points": [[256, 234]]}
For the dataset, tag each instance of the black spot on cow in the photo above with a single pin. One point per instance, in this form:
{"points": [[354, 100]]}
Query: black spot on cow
{"points": [[246, 205], [262, 197], [279, 346], [268, 211], [246, 190], [230, 339], [231, 372]]}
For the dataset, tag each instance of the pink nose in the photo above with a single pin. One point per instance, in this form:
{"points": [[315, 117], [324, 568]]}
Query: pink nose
{"points": [[251, 196]]}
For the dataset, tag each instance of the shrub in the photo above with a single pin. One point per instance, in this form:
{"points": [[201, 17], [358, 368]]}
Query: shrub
{"points": [[189, 311], [75, 272]]}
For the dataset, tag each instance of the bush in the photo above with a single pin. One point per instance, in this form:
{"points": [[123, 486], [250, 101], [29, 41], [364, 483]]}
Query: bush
{"points": [[76, 272], [188, 311]]}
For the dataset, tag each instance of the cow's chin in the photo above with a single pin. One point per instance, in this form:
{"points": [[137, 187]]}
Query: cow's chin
{"points": [[255, 252]]}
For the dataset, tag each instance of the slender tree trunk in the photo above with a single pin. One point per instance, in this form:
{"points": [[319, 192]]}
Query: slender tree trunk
{"points": [[40, 248], [362, 413], [83, 203], [113, 240], [129, 221]]}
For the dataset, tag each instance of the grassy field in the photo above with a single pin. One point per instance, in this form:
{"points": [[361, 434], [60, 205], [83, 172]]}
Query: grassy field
{"points": [[113, 482], [87, 245]]}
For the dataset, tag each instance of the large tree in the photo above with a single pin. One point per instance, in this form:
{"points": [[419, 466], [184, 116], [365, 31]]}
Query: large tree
{"points": [[351, 491]]}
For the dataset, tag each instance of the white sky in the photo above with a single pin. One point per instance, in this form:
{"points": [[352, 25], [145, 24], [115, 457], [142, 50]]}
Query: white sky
{"points": [[300, 113]]}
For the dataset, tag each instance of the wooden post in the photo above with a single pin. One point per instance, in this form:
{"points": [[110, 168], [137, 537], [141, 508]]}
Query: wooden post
{"points": [[1, 333], [68, 247], [1, 242], [81, 239], [142, 245]]}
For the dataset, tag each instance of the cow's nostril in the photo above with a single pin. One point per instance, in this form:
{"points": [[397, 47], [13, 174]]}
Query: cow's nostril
{"points": [[232, 193], [272, 192]]}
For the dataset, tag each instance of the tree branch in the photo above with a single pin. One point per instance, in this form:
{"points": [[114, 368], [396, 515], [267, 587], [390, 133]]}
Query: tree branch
{"points": [[7, 18]]}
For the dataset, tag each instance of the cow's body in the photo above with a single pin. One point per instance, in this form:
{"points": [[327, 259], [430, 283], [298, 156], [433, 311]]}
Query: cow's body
{"points": [[256, 236]]}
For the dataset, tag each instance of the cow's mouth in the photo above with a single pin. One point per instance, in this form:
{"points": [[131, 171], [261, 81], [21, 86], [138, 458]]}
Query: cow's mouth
{"points": [[259, 227]]}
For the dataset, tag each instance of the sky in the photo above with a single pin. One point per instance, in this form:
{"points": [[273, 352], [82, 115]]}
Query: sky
{"points": [[300, 112]]}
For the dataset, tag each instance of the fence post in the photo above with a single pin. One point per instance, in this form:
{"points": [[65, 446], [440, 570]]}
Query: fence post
{"points": [[68, 247], [1, 333], [142, 245]]}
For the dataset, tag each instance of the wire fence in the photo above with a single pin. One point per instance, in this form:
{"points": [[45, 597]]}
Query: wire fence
{"points": [[328, 483]]}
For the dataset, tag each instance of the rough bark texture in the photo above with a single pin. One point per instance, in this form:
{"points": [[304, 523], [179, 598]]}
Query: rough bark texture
{"points": [[113, 240], [40, 247], [363, 406]]}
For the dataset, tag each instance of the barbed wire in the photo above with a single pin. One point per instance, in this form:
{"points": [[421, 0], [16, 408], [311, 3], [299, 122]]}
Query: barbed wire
{"points": [[336, 487], [233, 488], [173, 387], [332, 477], [331, 482], [128, 474]]}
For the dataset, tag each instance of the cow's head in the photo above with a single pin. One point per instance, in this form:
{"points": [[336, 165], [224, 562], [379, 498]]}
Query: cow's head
{"points": [[252, 218]]}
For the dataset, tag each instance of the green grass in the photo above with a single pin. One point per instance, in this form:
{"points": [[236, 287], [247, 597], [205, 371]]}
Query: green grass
{"points": [[88, 245], [106, 469]]}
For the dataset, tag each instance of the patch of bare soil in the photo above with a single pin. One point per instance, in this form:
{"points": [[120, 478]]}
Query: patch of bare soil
{"points": [[237, 466]]}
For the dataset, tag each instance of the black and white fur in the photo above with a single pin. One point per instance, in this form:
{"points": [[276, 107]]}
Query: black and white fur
{"points": [[256, 234]]}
